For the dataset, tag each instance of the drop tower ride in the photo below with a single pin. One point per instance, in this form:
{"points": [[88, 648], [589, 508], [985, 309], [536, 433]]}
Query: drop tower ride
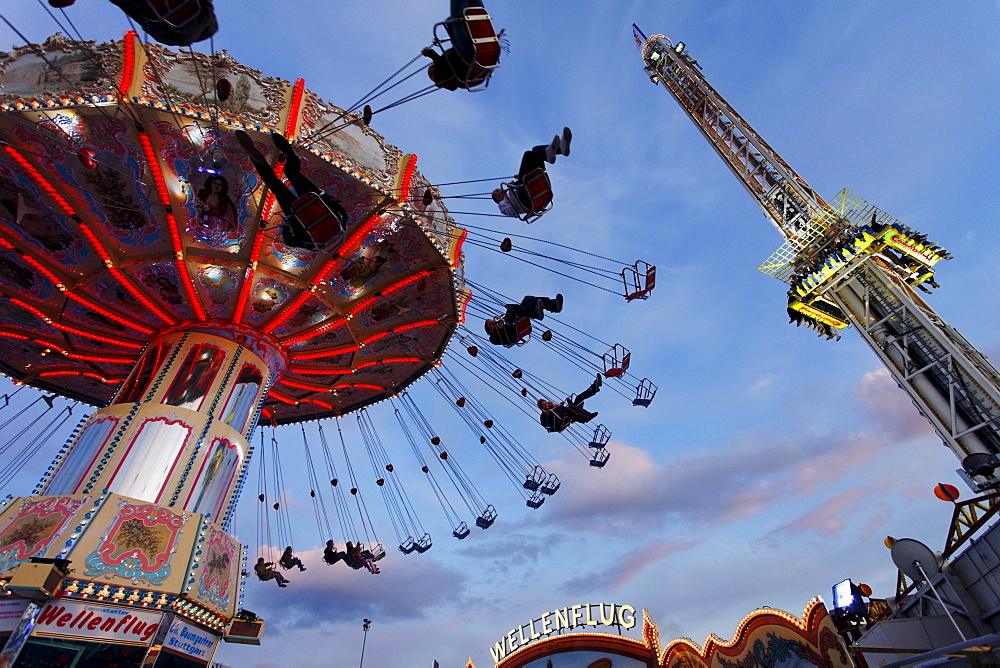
{"points": [[849, 263]]}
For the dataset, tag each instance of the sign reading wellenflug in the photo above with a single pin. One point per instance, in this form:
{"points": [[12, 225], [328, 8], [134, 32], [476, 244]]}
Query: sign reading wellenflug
{"points": [[96, 622], [565, 619]]}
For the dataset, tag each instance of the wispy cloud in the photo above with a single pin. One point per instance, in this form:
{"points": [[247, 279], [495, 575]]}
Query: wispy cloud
{"points": [[614, 571]]}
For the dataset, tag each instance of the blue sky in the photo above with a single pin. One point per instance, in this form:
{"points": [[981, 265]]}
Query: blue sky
{"points": [[771, 463]]}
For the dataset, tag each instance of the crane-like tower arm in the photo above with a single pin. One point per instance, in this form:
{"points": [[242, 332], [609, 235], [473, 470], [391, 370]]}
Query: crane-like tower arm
{"points": [[850, 263], [785, 197]]}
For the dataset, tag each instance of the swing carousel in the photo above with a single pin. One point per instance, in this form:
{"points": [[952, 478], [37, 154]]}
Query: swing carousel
{"points": [[143, 270]]}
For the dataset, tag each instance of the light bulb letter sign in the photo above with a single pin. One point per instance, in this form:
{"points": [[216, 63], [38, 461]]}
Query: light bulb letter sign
{"points": [[619, 617]]}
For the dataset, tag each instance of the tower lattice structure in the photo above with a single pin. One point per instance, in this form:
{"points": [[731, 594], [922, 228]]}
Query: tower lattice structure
{"points": [[849, 263]]}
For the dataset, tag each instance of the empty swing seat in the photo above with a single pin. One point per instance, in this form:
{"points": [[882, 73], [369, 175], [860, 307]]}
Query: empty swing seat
{"points": [[423, 544], [600, 438], [316, 217], [616, 368], [635, 291], [601, 457], [461, 531], [551, 485], [644, 393], [536, 500], [408, 545], [486, 520], [535, 479]]}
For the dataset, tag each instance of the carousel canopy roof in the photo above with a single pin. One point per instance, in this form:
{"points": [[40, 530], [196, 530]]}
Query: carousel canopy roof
{"points": [[128, 208]]}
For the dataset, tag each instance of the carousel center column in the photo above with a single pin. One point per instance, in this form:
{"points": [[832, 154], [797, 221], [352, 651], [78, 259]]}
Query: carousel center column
{"points": [[176, 434]]}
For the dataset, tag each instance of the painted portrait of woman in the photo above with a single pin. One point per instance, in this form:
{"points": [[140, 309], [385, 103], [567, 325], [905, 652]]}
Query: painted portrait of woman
{"points": [[216, 211]]}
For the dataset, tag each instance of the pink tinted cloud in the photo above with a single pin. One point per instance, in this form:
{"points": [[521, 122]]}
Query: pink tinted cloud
{"points": [[736, 481], [827, 519], [725, 485], [627, 567]]}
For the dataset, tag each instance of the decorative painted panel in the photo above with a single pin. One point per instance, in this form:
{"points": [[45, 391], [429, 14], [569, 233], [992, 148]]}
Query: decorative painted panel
{"points": [[139, 545], [32, 528]]}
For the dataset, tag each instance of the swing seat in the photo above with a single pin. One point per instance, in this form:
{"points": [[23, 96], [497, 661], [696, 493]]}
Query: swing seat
{"points": [[616, 371], [520, 336], [534, 479], [484, 37], [551, 485], [649, 284], [376, 552], [479, 26], [323, 226], [561, 426], [600, 438], [173, 22], [408, 545], [600, 458], [644, 393], [423, 544], [486, 520], [244, 632], [461, 531], [535, 501], [538, 187]]}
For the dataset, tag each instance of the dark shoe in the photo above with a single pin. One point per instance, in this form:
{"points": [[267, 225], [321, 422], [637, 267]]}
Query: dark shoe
{"points": [[598, 381], [256, 157], [282, 584], [302, 568], [559, 303], [590, 416], [539, 309], [506, 245]]}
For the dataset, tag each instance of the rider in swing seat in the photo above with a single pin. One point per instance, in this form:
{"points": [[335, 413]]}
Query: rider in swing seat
{"points": [[289, 560], [457, 67], [515, 324], [265, 571], [293, 232], [173, 22], [514, 200], [331, 555], [556, 417]]}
